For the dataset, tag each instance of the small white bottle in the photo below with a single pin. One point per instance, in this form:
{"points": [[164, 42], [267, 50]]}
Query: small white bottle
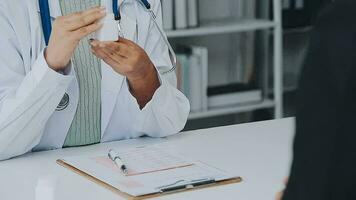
{"points": [[109, 31]]}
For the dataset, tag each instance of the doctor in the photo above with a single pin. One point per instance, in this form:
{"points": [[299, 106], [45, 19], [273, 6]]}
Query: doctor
{"points": [[61, 96]]}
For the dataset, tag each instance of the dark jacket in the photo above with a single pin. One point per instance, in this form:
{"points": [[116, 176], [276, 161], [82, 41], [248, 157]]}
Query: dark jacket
{"points": [[324, 165]]}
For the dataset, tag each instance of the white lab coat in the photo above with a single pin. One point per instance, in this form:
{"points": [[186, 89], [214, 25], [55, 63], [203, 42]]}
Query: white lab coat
{"points": [[30, 91]]}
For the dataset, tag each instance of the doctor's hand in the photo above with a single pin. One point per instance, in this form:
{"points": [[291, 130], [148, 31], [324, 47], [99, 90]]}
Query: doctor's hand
{"points": [[66, 34], [130, 60]]}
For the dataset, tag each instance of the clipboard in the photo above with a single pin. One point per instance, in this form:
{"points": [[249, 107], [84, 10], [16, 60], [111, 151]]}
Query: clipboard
{"points": [[149, 196]]}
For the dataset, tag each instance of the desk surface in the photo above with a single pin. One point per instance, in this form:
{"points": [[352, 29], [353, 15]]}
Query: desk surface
{"points": [[259, 152]]}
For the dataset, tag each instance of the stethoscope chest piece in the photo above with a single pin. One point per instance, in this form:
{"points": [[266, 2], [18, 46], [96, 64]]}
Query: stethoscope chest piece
{"points": [[64, 103]]}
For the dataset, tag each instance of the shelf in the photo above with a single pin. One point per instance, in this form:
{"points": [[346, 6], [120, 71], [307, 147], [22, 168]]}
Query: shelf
{"points": [[298, 30], [233, 109], [223, 28], [291, 88]]}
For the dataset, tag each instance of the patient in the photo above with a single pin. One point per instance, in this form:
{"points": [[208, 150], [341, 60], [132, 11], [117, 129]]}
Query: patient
{"points": [[324, 166]]}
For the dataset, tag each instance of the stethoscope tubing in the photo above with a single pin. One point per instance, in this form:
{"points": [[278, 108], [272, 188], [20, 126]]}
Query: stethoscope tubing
{"points": [[147, 6]]}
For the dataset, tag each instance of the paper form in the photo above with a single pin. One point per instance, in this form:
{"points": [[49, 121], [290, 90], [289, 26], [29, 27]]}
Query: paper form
{"points": [[144, 160]]}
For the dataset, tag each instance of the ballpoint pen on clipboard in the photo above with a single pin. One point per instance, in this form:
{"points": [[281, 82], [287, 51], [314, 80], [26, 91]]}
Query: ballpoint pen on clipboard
{"points": [[186, 184], [118, 162]]}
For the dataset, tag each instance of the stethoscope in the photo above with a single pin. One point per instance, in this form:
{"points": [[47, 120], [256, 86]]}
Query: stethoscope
{"points": [[47, 25]]}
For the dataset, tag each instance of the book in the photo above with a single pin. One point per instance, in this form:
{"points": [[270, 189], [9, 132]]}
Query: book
{"points": [[183, 74], [179, 73], [233, 94], [248, 48], [243, 45], [286, 4], [203, 62], [193, 16], [299, 4], [237, 98], [181, 14], [193, 78], [167, 14], [190, 82], [238, 46], [302, 13]]}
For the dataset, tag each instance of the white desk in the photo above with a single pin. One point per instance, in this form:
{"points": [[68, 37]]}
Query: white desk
{"points": [[259, 152]]}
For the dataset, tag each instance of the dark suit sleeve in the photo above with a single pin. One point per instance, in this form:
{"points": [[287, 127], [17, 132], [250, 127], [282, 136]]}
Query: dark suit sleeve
{"points": [[324, 165]]}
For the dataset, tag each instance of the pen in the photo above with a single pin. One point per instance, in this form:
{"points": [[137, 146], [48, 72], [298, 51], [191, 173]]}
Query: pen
{"points": [[190, 185], [117, 160]]}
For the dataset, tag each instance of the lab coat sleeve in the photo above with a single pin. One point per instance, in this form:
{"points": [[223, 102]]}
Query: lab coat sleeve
{"points": [[27, 99], [166, 114]]}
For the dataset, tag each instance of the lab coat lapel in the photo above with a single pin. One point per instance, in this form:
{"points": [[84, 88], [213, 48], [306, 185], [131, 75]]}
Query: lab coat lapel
{"points": [[143, 22], [110, 87], [111, 80]]}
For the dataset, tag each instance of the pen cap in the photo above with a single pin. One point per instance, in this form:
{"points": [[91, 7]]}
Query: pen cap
{"points": [[112, 154]]}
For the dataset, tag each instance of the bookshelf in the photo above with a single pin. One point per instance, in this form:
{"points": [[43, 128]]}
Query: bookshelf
{"points": [[223, 27]]}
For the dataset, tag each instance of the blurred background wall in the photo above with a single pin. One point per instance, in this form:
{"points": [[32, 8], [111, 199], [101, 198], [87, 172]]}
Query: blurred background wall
{"points": [[226, 53]]}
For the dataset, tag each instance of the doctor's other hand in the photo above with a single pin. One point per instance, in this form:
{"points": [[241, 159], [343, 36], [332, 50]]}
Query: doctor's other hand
{"points": [[125, 57], [66, 34], [130, 60]]}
